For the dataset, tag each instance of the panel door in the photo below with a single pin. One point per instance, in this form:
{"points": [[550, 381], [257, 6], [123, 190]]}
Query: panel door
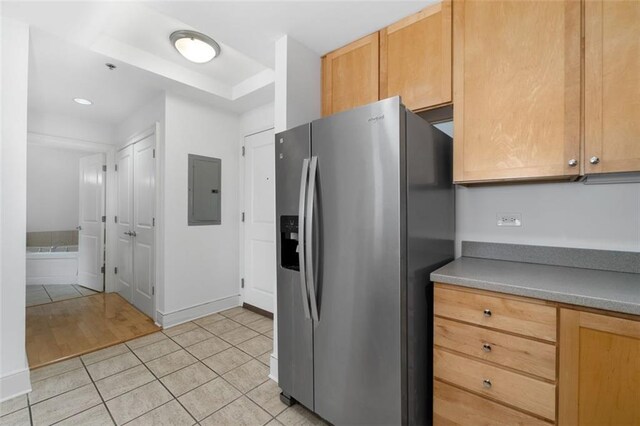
{"points": [[350, 75], [516, 90], [612, 86], [124, 225], [357, 340], [91, 229], [415, 58], [143, 225], [259, 228], [599, 380]]}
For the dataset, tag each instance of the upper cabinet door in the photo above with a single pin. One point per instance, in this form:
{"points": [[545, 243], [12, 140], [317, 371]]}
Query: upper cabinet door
{"points": [[415, 58], [516, 90], [350, 76], [612, 86]]}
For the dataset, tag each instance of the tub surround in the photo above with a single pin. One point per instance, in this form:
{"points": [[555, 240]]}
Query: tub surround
{"points": [[599, 279], [52, 238]]}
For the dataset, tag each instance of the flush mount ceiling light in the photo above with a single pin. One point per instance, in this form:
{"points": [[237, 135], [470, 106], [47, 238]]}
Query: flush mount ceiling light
{"points": [[195, 46], [82, 101]]}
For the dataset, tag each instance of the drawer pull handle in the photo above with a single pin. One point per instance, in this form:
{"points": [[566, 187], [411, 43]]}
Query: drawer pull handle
{"points": [[486, 347], [487, 312], [486, 383]]}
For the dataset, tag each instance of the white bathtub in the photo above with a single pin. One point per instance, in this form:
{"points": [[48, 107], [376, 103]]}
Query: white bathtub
{"points": [[52, 265]]}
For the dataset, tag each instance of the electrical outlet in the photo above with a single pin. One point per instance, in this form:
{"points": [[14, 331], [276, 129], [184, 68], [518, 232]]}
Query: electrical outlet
{"points": [[509, 219]]}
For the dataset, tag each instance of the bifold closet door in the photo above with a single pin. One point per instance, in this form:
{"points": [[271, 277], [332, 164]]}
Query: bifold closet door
{"points": [[135, 222], [124, 218], [143, 224]]}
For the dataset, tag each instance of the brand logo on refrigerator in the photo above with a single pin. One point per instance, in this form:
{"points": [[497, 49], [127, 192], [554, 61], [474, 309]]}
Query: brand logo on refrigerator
{"points": [[376, 118]]}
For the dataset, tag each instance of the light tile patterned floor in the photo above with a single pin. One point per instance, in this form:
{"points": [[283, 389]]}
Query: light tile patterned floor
{"points": [[41, 294], [212, 371]]}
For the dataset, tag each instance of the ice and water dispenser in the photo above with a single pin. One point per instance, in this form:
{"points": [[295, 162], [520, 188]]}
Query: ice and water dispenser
{"points": [[289, 242]]}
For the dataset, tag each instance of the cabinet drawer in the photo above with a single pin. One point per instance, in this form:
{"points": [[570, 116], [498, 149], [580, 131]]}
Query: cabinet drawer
{"points": [[453, 406], [534, 396], [522, 354], [516, 316]]}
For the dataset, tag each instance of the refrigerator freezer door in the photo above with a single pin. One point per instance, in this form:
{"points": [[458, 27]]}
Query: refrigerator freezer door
{"points": [[295, 331], [357, 339]]}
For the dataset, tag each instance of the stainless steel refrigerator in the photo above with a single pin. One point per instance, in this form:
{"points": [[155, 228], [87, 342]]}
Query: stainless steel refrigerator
{"points": [[365, 211]]}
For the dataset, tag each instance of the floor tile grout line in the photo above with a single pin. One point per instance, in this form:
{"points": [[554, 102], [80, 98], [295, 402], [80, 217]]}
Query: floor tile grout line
{"points": [[99, 394], [170, 393], [105, 359]]}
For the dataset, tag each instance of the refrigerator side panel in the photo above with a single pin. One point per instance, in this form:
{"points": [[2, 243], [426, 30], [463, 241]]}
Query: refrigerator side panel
{"points": [[430, 244], [357, 347], [295, 332]]}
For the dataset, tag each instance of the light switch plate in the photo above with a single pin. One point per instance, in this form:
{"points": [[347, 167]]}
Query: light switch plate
{"points": [[509, 219]]}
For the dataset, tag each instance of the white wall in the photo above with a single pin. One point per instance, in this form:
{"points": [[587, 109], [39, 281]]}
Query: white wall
{"points": [[70, 127], [200, 262], [257, 120], [298, 84], [140, 119], [14, 54], [52, 188], [569, 214]]}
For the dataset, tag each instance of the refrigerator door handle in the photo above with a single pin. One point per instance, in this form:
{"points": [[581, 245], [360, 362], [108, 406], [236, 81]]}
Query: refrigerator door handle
{"points": [[311, 288], [301, 240]]}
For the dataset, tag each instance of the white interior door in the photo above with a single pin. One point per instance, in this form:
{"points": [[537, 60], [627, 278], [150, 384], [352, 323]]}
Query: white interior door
{"points": [[259, 229], [143, 224], [124, 225], [91, 227]]}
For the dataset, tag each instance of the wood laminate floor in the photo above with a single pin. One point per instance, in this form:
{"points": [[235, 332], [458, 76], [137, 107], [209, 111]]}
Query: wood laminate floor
{"points": [[65, 329]]}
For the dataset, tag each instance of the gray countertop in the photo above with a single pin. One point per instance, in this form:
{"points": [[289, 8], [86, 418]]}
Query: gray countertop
{"points": [[601, 289]]}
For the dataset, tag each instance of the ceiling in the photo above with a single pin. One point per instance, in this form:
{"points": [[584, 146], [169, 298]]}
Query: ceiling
{"points": [[71, 41]]}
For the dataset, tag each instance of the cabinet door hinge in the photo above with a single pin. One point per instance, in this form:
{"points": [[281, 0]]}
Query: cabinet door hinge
{"points": [[115, 270], [242, 217], [243, 150], [153, 291], [102, 269], [104, 168], [154, 153], [153, 222], [115, 219], [241, 282], [104, 219], [116, 167]]}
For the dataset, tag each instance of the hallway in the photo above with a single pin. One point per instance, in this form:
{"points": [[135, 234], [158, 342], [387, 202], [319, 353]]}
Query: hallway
{"points": [[61, 330]]}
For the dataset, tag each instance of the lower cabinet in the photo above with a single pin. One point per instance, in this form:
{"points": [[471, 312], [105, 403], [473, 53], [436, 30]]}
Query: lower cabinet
{"points": [[496, 363], [599, 369]]}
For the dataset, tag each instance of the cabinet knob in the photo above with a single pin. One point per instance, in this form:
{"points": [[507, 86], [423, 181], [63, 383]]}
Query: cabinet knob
{"points": [[573, 162], [487, 312], [594, 160], [486, 347], [486, 383]]}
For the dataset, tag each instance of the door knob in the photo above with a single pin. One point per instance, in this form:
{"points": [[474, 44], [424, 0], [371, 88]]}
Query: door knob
{"points": [[594, 160], [79, 228]]}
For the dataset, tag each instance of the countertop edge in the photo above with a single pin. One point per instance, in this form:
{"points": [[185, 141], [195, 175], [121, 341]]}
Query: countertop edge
{"points": [[570, 299]]}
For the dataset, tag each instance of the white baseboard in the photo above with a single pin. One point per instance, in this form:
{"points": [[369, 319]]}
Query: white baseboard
{"points": [[169, 319], [15, 384], [57, 280], [273, 368]]}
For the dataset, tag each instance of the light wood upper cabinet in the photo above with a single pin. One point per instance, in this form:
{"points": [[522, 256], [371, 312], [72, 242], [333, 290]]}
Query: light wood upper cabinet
{"points": [[350, 75], [599, 369], [612, 86], [415, 58], [516, 90]]}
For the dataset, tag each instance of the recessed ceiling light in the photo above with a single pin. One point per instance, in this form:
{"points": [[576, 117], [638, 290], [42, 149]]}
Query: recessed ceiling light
{"points": [[195, 46], [82, 101]]}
